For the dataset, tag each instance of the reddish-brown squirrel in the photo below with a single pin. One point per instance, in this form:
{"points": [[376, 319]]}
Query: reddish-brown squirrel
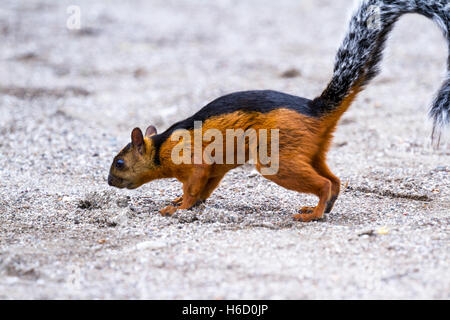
{"points": [[304, 126]]}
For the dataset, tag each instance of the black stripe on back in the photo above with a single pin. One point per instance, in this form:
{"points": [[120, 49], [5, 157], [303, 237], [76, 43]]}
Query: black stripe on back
{"points": [[262, 101]]}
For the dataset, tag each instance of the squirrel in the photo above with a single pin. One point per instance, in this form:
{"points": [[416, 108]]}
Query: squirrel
{"points": [[305, 127]]}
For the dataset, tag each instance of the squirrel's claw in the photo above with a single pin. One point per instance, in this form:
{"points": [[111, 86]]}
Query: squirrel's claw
{"points": [[178, 201], [168, 211]]}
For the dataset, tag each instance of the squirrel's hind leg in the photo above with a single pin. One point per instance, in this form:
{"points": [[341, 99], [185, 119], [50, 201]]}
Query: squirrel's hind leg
{"points": [[300, 176], [322, 169]]}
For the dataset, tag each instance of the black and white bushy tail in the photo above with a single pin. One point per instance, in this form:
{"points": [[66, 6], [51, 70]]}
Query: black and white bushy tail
{"points": [[361, 51]]}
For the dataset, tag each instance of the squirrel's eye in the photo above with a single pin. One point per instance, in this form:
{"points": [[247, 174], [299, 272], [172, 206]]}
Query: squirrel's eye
{"points": [[120, 164]]}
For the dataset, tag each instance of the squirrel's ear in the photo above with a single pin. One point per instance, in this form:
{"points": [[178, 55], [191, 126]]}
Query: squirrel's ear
{"points": [[151, 130], [137, 139]]}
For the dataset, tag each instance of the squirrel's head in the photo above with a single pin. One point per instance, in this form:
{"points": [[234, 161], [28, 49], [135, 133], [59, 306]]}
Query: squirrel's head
{"points": [[134, 165]]}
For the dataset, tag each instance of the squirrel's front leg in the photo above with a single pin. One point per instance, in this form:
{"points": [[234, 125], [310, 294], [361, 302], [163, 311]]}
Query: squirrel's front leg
{"points": [[192, 190], [188, 202]]}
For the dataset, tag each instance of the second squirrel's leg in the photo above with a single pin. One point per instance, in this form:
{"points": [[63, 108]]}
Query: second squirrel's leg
{"points": [[302, 177], [322, 169], [192, 189]]}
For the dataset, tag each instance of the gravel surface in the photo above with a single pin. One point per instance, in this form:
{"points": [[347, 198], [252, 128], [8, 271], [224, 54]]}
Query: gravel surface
{"points": [[69, 99]]}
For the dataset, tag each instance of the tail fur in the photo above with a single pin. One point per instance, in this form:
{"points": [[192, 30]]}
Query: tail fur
{"points": [[358, 57]]}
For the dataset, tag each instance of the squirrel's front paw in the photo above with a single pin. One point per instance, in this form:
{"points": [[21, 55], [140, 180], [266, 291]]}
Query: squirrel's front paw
{"points": [[168, 211]]}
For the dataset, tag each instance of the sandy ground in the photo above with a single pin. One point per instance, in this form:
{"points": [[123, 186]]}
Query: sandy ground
{"points": [[69, 99]]}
